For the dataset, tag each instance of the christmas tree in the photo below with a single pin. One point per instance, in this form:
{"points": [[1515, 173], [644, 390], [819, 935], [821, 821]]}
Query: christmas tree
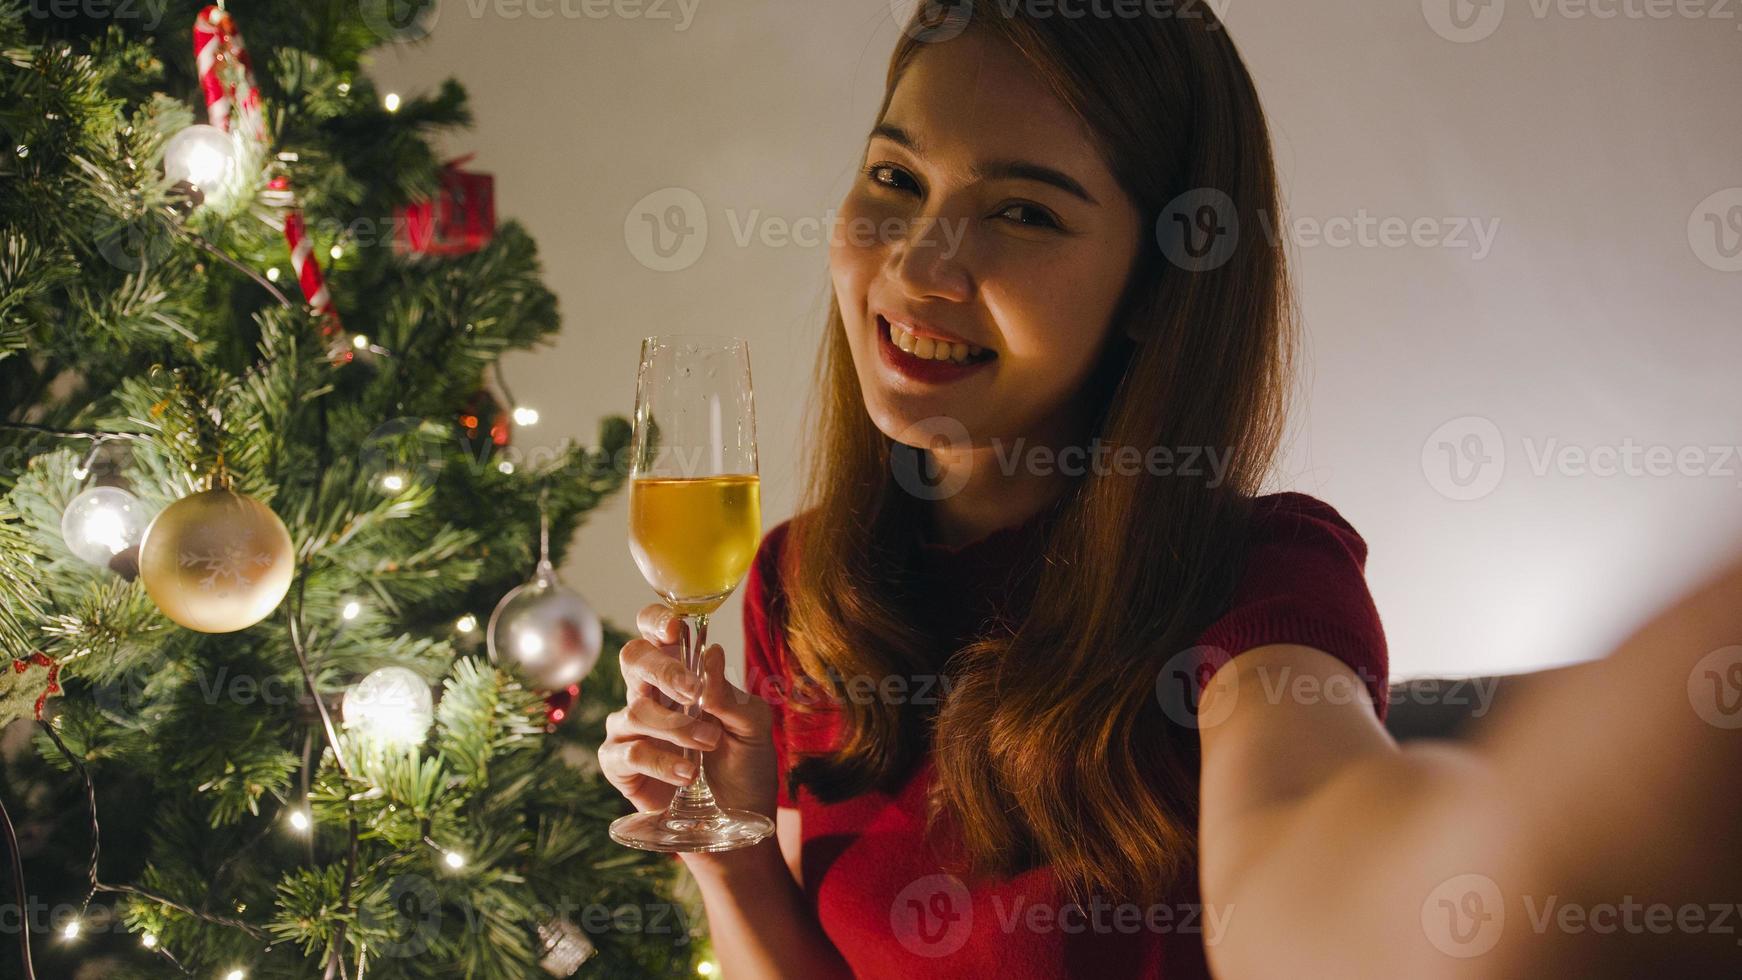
{"points": [[259, 513]]}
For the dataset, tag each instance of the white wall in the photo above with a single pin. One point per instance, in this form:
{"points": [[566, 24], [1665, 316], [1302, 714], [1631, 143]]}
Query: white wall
{"points": [[1597, 317]]}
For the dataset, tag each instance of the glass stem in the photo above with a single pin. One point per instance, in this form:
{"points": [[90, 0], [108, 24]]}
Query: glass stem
{"points": [[695, 801]]}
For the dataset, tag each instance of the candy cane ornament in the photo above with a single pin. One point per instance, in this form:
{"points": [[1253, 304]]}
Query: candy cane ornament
{"points": [[220, 52]]}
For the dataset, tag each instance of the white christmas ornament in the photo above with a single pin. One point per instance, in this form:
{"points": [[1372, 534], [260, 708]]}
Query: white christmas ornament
{"points": [[392, 706], [204, 156], [101, 523]]}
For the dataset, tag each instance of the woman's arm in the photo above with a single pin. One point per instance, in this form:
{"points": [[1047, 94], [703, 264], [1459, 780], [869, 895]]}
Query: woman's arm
{"points": [[758, 919], [1553, 843]]}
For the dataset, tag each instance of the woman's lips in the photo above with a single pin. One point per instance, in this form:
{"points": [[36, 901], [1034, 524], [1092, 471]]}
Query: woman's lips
{"points": [[924, 370]]}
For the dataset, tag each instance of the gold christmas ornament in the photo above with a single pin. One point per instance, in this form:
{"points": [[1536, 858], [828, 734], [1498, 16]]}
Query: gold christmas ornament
{"points": [[216, 561]]}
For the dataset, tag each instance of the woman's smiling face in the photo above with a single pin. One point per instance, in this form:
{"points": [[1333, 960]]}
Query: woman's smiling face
{"points": [[983, 215]]}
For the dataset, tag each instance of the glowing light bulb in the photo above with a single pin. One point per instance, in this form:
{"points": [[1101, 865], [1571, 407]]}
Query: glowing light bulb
{"points": [[391, 705], [149, 941], [393, 482], [299, 820], [352, 610], [336, 252], [706, 968], [204, 156], [102, 522], [467, 623], [454, 860], [70, 930], [391, 102], [505, 466], [525, 416], [359, 341], [235, 975], [272, 274]]}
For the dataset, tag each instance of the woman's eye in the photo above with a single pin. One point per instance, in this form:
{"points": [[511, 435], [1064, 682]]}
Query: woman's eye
{"points": [[1036, 217], [877, 171]]}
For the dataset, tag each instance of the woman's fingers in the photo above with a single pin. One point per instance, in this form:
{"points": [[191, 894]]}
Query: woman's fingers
{"points": [[645, 757], [738, 711], [658, 624], [643, 718], [644, 663]]}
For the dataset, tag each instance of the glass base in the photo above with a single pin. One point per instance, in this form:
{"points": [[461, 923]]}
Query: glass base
{"points": [[728, 830]]}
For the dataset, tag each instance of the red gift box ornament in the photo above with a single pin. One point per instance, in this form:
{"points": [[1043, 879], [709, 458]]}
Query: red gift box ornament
{"points": [[460, 218]]}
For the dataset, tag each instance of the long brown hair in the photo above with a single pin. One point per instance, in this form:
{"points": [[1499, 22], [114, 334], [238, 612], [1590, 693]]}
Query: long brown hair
{"points": [[1051, 746]]}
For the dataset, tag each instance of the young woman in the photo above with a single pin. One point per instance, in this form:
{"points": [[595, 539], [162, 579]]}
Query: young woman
{"points": [[1038, 684]]}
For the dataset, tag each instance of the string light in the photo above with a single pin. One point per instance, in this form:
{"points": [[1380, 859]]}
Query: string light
{"points": [[336, 252], [454, 859], [272, 274], [299, 820], [235, 975], [392, 705], [102, 522], [70, 931], [467, 624], [706, 968], [505, 466], [149, 940], [393, 483], [360, 342], [525, 416], [204, 156], [352, 610], [391, 102]]}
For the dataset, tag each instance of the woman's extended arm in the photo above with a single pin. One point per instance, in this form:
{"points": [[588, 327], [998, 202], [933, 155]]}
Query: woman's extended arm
{"points": [[1588, 828]]}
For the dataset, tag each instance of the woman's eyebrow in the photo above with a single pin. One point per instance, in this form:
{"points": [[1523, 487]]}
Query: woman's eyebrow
{"points": [[996, 169]]}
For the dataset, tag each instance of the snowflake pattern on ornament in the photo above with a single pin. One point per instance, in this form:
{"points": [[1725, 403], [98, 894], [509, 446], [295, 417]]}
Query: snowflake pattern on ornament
{"points": [[230, 567]]}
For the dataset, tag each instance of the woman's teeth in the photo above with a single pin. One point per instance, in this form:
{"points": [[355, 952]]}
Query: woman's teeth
{"points": [[927, 348]]}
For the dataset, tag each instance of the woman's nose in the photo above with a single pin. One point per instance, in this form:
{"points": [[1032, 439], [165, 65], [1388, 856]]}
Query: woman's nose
{"points": [[927, 260]]}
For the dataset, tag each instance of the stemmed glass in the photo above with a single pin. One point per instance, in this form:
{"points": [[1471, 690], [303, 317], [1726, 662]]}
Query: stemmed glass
{"points": [[695, 519]]}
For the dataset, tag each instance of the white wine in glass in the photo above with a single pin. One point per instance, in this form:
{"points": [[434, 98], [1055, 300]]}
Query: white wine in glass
{"points": [[695, 518]]}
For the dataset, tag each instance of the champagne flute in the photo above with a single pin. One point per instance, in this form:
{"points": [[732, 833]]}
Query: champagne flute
{"points": [[695, 519]]}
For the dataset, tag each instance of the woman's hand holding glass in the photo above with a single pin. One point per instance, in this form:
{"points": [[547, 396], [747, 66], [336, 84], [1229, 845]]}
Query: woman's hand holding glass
{"points": [[645, 739]]}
